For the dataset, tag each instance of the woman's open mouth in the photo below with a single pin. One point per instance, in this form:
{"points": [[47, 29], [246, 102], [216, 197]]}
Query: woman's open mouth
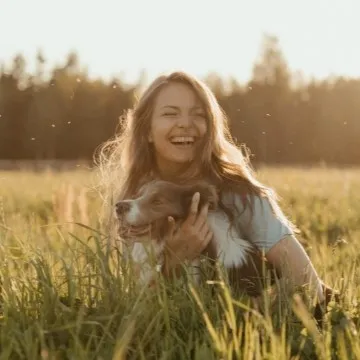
{"points": [[183, 141]]}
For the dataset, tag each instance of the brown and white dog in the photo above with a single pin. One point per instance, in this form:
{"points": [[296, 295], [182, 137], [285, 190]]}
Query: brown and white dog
{"points": [[144, 221]]}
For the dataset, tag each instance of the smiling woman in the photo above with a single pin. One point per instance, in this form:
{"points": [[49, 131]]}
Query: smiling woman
{"points": [[178, 125], [179, 133]]}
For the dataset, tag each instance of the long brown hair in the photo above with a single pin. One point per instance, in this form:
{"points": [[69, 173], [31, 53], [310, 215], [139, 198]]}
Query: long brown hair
{"points": [[126, 161]]}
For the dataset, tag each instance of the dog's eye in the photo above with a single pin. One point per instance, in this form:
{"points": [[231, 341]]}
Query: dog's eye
{"points": [[156, 201]]}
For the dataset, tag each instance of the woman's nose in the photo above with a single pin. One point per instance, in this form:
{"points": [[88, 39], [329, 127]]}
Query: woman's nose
{"points": [[184, 121]]}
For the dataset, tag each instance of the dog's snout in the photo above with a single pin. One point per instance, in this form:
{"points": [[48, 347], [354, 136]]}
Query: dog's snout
{"points": [[122, 207]]}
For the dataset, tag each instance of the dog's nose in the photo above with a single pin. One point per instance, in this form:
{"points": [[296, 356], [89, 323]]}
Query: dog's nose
{"points": [[122, 207]]}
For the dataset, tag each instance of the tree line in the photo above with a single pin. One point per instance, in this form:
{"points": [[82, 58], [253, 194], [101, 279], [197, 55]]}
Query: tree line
{"points": [[279, 116]]}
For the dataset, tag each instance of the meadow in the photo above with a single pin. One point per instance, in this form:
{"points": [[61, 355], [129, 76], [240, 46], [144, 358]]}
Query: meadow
{"points": [[65, 293]]}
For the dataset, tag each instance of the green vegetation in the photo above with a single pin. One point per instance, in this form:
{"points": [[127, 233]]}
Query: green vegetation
{"points": [[66, 295]]}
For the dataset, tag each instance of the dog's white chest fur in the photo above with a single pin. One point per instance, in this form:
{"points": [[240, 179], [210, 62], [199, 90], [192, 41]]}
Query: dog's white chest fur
{"points": [[231, 249]]}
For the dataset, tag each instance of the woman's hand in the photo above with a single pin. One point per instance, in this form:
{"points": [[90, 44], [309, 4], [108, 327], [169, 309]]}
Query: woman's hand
{"points": [[194, 234]]}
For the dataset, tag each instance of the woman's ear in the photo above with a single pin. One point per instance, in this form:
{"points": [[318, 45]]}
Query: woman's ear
{"points": [[150, 138]]}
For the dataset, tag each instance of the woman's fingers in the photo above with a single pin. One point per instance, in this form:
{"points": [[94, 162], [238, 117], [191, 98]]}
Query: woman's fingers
{"points": [[203, 231], [201, 219], [194, 234], [194, 207], [208, 236], [204, 237]]}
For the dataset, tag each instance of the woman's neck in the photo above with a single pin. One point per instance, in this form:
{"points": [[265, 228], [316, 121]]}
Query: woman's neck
{"points": [[169, 171], [182, 177]]}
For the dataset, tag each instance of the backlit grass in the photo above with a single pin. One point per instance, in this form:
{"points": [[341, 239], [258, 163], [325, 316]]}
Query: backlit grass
{"points": [[67, 295]]}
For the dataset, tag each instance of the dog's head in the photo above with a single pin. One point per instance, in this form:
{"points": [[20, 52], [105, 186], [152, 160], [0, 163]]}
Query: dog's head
{"points": [[157, 200]]}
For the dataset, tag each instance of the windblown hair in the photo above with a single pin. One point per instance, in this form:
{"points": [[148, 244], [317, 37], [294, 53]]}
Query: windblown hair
{"points": [[127, 161]]}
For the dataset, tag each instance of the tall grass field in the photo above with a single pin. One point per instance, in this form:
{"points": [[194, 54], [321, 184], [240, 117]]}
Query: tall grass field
{"points": [[66, 294]]}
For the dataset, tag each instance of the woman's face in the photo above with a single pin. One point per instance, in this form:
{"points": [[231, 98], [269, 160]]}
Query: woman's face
{"points": [[178, 124]]}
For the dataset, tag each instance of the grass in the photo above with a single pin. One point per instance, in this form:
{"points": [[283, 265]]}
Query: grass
{"points": [[66, 294]]}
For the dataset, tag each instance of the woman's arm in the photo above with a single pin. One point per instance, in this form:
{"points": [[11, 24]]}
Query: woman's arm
{"points": [[271, 232], [289, 257]]}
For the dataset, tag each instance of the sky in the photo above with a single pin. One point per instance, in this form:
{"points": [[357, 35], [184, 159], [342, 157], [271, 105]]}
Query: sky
{"points": [[319, 38]]}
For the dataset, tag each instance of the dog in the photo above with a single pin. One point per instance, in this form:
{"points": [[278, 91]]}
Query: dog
{"points": [[143, 221]]}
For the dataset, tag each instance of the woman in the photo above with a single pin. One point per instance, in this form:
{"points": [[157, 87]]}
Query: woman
{"points": [[178, 132]]}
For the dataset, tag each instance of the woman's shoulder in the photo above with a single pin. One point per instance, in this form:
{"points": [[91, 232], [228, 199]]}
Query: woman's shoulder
{"points": [[256, 207], [244, 200], [259, 217]]}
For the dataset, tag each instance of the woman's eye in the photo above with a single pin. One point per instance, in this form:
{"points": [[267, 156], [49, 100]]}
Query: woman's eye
{"points": [[199, 113], [169, 114], [156, 202]]}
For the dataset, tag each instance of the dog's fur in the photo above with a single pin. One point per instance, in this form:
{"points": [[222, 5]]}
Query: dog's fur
{"points": [[144, 220]]}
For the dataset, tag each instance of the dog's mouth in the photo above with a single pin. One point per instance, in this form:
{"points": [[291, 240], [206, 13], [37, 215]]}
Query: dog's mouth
{"points": [[127, 231]]}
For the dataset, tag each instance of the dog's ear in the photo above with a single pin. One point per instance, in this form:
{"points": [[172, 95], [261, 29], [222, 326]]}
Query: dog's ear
{"points": [[208, 194]]}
